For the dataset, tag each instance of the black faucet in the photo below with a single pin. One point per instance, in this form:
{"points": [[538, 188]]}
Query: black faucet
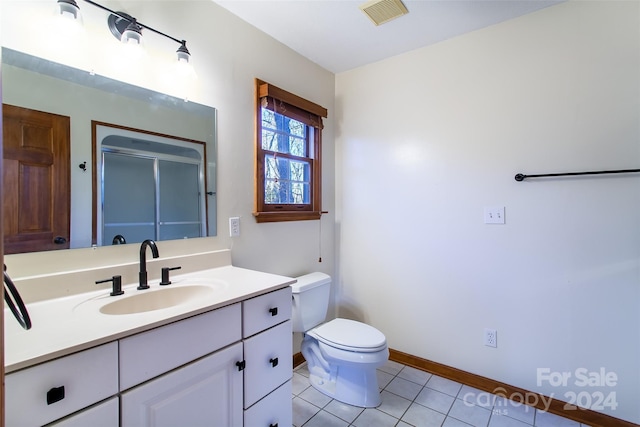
{"points": [[118, 239], [142, 284]]}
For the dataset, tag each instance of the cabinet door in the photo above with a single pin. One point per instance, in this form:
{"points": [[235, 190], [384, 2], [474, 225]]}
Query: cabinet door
{"points": [[206, 392], [269, 362], [105, 414], [274, 410]]}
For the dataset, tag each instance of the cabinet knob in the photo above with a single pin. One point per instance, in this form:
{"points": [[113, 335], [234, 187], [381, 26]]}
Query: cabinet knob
{"points": [[54, 395], [241, 365], [273, 311], [274, 362], [273, 425]]}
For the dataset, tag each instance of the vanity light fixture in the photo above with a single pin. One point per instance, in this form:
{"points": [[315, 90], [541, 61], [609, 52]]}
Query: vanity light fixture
{"points": [[183, 52], [69, 9], [124, 27], [132, 34]]}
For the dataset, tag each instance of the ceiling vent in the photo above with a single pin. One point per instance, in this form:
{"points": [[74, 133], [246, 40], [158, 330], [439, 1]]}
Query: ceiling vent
{"points": [[381, 11]]}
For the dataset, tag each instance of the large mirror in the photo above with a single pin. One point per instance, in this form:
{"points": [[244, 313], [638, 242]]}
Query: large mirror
{"points": [[44, 86]]}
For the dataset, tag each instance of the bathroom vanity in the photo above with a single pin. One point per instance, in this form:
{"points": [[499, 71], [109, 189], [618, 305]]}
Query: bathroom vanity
{"points": [[212, 348]]}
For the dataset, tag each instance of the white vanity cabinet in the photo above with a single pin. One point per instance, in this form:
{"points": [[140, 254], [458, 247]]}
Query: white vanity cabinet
{"points": [[49, 391], [230, 366], [269, 360]]}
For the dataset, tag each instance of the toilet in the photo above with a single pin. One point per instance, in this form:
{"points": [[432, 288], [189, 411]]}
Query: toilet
{"points": [[342, 355]]}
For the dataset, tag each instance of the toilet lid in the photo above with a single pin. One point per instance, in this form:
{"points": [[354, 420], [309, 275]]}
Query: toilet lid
{"points": [[350, 335]]}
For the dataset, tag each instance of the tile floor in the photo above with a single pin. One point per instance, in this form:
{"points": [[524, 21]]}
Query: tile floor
{"points": [[411, 397]]}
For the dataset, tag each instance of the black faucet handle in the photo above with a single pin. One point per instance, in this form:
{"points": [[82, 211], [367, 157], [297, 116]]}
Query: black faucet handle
{"points": [[117, 285], [165, 275]]}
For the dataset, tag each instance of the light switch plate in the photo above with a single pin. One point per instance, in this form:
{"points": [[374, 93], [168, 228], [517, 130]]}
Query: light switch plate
{"points": [[494, 215]]}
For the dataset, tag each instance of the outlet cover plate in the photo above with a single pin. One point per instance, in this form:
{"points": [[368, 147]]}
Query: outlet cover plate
{"points": [[490, 337], [234, 226]]}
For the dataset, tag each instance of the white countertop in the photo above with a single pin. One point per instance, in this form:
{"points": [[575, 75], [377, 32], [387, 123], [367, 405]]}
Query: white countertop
{"points": [[62, 326]]}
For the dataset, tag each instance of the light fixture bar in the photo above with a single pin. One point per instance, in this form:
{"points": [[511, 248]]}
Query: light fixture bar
{"points": [[130, 19]]}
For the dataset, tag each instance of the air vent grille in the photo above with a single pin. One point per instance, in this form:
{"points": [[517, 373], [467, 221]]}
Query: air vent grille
{"points": [[381, 11]]}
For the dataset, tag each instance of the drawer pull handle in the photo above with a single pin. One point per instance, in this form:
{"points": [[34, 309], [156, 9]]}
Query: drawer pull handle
{"points": [[273, 425], [54, 395], [273, 311], [274, 362], [241, 365]]}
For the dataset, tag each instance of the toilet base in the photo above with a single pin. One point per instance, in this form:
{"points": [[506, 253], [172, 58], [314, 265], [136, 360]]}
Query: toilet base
{"points": [[346, 376], [357, 387]]}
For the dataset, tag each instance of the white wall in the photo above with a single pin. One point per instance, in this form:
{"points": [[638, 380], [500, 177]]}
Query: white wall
{"points": [[227, 54], [427, 139]]}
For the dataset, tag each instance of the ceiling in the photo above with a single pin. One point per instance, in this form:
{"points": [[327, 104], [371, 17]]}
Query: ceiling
{"points": [[338, 36]]}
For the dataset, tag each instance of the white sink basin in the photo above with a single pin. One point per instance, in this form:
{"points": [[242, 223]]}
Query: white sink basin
{"points": [[157, 299]]}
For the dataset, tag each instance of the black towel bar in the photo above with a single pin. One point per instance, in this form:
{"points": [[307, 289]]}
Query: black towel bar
{"points": [[521, 177]]}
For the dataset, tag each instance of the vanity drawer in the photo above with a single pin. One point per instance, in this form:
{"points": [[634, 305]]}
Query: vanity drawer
{"points": [[269, 362], [265, 311], [274, 410], [152, 353], [52, 390], [106, 414]]}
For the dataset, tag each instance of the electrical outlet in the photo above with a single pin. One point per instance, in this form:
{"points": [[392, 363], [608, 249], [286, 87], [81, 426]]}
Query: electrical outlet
{"points": [[234, 226], [490, 338]]}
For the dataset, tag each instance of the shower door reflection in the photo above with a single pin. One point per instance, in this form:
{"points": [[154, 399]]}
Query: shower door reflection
{"points": [[129, 198], [150, 198], [180, 198]]}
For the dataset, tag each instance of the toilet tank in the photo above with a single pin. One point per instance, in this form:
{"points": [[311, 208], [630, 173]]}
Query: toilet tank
{"points": [[310, 300]]}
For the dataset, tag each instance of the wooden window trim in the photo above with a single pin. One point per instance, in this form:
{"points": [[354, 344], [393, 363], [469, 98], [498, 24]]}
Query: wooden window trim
{"points": [[307, 112]]}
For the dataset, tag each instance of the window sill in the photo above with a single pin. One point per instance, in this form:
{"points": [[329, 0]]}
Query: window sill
{"points": [[285, 216]]}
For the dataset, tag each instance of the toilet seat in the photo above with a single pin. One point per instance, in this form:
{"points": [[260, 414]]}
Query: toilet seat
{"points": [[350, 335]]}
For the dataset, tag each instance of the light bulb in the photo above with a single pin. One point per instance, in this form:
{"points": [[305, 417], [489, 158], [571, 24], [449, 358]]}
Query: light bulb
{"points": [[69, 9], [132, 34]]}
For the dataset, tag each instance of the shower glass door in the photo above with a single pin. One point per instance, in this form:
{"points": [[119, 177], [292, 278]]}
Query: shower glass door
{"points": [[150, 198], [129, 198], [179, 202]]}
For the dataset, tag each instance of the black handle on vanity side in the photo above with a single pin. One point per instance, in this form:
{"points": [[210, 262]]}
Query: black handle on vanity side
{"points": [[274, 362], [117, 285], [273, 311], [273, 425], [54, 395], [165, 275], [14, 301]]}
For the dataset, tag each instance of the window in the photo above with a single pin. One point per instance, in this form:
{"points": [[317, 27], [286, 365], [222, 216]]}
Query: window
{"points": [[288, 156]]}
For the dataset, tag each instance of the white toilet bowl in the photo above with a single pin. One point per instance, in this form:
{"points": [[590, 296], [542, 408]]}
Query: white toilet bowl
{"points": [[342, 356]]}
